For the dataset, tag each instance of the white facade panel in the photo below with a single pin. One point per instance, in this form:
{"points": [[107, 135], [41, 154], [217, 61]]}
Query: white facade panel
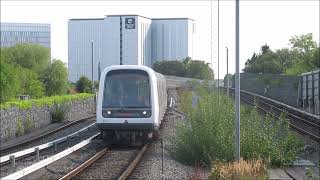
{"points": [[80, 35], [172, 39], [130, 39]]}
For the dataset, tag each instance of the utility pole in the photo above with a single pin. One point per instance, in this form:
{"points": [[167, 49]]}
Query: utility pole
{"points": [[237, 84], [218, 51], [99, 71], [92, 89], [227, 73], [211, 35]]}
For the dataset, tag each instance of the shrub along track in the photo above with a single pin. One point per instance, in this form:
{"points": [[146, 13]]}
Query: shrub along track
{"points": [[303, 122]]}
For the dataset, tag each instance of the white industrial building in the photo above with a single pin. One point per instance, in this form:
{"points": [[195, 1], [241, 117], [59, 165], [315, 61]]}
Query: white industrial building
{"points": [[126, 39]]}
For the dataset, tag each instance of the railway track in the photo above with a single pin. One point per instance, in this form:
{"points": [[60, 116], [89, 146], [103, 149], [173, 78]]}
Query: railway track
{"points": [[12, 163], [14, 147], [108, 164], [303, 122]]}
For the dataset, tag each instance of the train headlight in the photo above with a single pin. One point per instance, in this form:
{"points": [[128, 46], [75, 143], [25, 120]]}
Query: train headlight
{"points": [[108, 112], [144, 112]]}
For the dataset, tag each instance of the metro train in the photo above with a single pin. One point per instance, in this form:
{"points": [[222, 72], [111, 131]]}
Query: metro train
{"points": [[131, 103]]}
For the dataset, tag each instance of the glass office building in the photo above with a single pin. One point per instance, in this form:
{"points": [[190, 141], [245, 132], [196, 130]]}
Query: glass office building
{"points": [[13, 33]]}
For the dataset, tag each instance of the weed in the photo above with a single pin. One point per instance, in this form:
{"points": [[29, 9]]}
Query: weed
{"points": [[28, 124], [243, 169], [59, 112], [19, 127]]}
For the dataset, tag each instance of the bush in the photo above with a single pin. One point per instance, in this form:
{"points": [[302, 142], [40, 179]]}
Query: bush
{"points": [[83, 85], [59, 112], [209, 134]]}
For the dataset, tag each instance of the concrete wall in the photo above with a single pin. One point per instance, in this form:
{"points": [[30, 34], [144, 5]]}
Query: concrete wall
{"points": [[39, 116], [282, 88]]}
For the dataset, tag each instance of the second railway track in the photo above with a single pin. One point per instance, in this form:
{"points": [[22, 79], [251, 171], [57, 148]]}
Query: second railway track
{"points": [[303, 122]]}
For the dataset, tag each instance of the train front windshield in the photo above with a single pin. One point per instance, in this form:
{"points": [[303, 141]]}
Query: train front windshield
{"points": [[126, 89]]}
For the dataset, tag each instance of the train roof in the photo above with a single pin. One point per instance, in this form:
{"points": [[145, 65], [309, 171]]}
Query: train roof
{"points": [[139, 67]]}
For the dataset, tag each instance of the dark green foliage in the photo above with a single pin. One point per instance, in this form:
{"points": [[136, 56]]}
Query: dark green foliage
{"points": [[209, 134], [9, 81], [231, 79], [26, 70], [30, 56], [29, 83], [186, 68], [59, 112], [174, 68], [302, 57], [55, 78], [83, 85]]}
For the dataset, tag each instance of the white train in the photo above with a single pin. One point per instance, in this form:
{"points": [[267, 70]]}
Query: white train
{"points": [[131, 103]]}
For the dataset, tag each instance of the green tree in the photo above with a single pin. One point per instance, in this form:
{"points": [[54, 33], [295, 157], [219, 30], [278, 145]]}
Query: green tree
{"points": [[198, 69], [267, 61], [30, 83], [185, 68], [9, 81], [83, 85], [304, 43], [174, 68], [265, 49], [302, 57], [55, 78], [306, 54], [31, 56]]}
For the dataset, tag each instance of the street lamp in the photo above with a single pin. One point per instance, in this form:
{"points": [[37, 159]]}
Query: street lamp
{"points": [[227, 73], [92, 88], [237, 86]]}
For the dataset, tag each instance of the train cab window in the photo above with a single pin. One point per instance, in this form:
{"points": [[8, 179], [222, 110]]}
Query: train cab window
{"points": [[126, 89]]}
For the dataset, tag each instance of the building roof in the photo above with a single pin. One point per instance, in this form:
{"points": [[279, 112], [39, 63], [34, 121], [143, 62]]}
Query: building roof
{"points": [[79, 19], [23, 24], [172, 19], [117, 15]]}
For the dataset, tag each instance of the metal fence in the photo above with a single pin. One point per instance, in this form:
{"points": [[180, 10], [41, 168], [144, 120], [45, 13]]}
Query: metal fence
{"points": [[309, 88]]}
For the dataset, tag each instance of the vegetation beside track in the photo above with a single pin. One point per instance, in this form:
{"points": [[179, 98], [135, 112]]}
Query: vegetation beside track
{"points": [[45, 101], [208, 134]]}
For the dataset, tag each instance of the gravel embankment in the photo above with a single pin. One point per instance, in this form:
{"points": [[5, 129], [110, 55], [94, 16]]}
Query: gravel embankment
{"points": [[151, 165], [29, 160]]}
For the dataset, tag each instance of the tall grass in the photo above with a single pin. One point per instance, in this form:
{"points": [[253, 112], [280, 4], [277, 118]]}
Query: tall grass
{"points": [[209, 133]]}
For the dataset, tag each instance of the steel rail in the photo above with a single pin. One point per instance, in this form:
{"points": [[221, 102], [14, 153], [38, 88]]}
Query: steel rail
{"points": [[34, 167], [273, 106], [85, 165], [4, 149], [134, 163], [28, 151]]}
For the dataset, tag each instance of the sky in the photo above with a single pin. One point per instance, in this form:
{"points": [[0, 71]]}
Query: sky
{"points": [[272, 22]]}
